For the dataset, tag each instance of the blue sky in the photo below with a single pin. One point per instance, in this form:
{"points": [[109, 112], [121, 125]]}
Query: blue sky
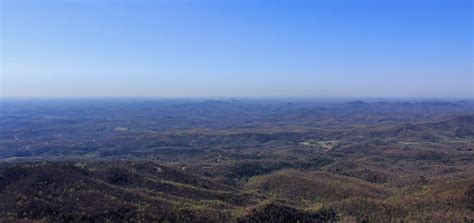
{"points": [[232, 48]]}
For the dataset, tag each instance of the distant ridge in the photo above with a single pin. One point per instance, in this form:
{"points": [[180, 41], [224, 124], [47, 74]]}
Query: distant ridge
{"points": [[463, 120], [357, 103]]}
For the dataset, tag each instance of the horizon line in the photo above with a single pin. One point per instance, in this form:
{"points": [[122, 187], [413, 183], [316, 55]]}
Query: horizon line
{"points": [[245, 98]]}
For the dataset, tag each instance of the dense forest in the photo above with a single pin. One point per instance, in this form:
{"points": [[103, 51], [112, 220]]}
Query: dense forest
{"points": [[236, 160]]}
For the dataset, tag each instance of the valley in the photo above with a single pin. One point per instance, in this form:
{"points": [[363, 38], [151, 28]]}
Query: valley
{"points": [[236, 161]]}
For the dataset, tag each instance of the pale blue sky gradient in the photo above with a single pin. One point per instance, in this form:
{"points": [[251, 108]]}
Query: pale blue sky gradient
{"points": [[231, 48]]}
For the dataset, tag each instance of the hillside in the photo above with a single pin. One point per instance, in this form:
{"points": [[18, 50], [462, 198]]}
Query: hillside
{"points": [[237, 161]]}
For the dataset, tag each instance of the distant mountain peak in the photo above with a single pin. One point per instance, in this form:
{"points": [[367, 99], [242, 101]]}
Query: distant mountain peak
{"points": [[358, 102]]}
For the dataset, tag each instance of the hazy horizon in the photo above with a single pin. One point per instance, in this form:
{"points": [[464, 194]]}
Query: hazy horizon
{"points": [[236, 49]]}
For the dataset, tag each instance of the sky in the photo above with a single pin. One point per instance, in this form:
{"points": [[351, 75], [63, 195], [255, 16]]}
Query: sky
{"points": [[236, 48]]}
